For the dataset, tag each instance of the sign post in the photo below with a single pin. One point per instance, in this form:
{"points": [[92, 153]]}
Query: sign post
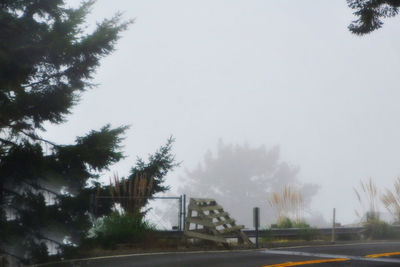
{"points": [[256, 221]]}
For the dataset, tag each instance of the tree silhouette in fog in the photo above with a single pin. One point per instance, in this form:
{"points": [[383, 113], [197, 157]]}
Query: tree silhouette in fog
{"points": [[241, 177]]}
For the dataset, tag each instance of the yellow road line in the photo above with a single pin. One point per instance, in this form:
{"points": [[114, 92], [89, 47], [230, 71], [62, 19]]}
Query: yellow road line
{"points": [[305, 262], [382, 255]]}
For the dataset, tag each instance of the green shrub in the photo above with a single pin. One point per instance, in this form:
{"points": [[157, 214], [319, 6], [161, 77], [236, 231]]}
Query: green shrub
{"points": [[285, 222], [120, 228], [301, 224], [266, 235], [376, 229], [306, 232]]}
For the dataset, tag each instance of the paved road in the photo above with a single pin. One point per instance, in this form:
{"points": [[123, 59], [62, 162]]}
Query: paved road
{"points": [[366, 254]]}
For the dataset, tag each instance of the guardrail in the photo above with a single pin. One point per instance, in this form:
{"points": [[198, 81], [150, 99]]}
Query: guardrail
{"points": [[293, 232], [284, 232]]}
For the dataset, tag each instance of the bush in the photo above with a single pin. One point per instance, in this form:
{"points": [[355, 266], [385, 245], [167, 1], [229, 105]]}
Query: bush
{"points": [[375, 229], [285, 222], [306, 232], [266, 235], [301, 224], [120, 228]]}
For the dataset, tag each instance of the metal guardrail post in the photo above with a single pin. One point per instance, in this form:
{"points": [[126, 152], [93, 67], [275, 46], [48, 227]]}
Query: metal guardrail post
{"points": [[333, 226], [180, 214], [184, 211], [256, 221]]}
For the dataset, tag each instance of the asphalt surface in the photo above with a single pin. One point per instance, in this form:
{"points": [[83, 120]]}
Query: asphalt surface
{"points": [[364, 254]]}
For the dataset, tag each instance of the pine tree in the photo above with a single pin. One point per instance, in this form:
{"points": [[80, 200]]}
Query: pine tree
{"points": [[47, 60], [154, 169], [370, 14]]}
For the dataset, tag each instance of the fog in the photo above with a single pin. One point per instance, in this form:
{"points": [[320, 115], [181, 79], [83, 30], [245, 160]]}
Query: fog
{"points": [[284, 74], [240, 177]]}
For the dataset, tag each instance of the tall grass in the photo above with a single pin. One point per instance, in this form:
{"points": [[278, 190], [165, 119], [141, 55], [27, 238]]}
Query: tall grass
{"points": [[368, 197], [391, 201], [287, 203], [128, 226], [131, 194]]}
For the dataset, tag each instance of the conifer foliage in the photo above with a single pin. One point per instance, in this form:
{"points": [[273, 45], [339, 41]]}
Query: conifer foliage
{"points": [[370, 14], [47, 60]]}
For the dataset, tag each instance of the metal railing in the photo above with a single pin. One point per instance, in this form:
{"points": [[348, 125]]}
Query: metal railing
{"points": [[286, 232]]}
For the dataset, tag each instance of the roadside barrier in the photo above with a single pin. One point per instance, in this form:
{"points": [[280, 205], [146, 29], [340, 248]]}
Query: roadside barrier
{"points": [[287, 232]]}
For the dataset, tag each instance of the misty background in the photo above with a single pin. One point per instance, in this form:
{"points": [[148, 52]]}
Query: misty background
{"points": [[284, 74]]}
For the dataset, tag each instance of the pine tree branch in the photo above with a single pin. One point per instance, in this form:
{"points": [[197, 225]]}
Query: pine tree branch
{"points": [[43, 80], [49, 239], [30, 135], [48, 78], [13, 255], [36, 187], [8, 142], [37, 138]]}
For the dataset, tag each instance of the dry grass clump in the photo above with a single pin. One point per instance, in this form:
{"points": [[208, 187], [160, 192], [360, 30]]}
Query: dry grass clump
{"points": [[368, 193], [288, 202], [391, 201], [131, 194]]}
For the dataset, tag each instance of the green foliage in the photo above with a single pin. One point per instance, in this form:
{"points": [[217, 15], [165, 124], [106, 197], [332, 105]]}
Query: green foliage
{"points": [[157, 166], [285, 222], [48, 59], [266, 234], [370, 14], [38, 252], [306, 233], [120, 228], [378, 229], [301, 224], [155, 169]]}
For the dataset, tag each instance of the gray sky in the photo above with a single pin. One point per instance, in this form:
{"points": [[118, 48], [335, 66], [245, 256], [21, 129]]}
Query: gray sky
{"points": [[284, 73]]}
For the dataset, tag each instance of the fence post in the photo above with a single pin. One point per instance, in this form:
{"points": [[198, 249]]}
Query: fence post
{"points": [[333, 226]]}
